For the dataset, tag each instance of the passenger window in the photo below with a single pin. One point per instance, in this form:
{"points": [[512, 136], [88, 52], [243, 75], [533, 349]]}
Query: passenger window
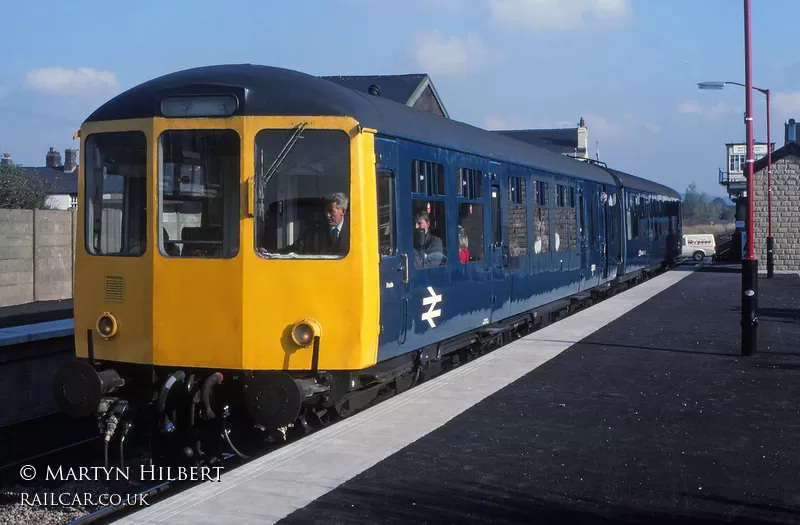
{"points": [[497, 233], [562, 219], [386, 228], [429, 234], [541, 220], [470, 216], [572, 221], [427, 178], [517, 218], [470, 232]]}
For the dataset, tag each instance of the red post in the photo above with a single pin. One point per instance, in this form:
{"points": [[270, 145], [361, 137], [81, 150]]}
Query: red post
{"points": [[770, 240], [749, 263]]}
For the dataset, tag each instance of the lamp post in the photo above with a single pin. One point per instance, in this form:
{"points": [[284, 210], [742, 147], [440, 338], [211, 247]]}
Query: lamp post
{"points": [[749, 262], [770, 239]]}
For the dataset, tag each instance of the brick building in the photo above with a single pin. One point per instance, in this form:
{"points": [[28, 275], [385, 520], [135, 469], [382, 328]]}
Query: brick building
{"points": [[785, 209]]}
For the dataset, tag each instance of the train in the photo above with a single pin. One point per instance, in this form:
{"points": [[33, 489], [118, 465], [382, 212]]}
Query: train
{"points": [[261, 250]]}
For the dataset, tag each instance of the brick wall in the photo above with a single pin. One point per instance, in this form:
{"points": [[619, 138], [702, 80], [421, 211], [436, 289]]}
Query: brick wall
{"points": [[785, 215]]}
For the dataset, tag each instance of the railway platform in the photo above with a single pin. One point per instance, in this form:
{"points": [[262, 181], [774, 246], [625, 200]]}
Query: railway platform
{"points": [[638, 409], [35, 312]]}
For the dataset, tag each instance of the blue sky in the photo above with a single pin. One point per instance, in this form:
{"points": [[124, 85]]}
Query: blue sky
{"points": [[629, 67]]}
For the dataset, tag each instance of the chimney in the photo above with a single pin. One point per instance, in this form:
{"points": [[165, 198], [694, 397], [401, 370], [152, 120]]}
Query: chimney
{"points": [[70, 160], [6, 160], [583, 140], [53, 159], [791, 131]]}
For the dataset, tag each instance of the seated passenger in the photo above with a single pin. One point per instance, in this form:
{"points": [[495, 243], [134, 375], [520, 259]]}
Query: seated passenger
{"points": [[427, 247], [331, 237], [463, 245]]}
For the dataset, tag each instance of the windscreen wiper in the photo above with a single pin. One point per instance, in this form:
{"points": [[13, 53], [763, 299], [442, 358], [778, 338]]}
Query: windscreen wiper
{"points": [[284, 152]]}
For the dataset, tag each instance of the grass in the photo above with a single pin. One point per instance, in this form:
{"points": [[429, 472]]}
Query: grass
{"points": [[718, 229]]}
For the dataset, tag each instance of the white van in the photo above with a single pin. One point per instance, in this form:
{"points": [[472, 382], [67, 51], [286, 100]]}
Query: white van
{"points": [[698, 246]]}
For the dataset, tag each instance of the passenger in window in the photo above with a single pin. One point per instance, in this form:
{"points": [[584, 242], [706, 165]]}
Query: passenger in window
{"points": [[331, 237], [428, 251], [463, 245]]}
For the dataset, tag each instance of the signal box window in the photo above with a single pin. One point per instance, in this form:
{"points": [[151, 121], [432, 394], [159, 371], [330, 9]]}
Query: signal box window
{"points": [[115, 166], [429, 234], [302, 193], [199, 193]]}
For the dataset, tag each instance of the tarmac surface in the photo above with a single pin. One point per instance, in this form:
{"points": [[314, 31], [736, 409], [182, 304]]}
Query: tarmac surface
{"points": [[655, 418], [37, 312]]}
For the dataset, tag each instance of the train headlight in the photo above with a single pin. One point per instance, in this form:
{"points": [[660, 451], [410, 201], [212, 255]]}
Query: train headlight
{"points": [[304, 331], [107, 325]]}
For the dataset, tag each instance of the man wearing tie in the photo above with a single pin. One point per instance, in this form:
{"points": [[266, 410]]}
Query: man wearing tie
{"points": [[335, 211], [331, 237]]}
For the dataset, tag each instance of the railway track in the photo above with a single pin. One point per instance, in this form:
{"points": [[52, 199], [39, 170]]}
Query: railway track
{"points": [[132, 494]]}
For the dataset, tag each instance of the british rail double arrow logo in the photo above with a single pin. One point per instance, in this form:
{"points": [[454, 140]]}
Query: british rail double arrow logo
{"points": [[431, 302]]}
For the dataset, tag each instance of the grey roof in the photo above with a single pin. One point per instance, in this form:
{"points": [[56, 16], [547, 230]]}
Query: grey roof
{"points": [[638, 183], [262, 90], [62, 182], [561, 140], [404, 89], [791, 148]]}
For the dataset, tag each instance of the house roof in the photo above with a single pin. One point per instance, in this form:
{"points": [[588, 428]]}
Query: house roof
{"points": [[62, 182], [405, 89], [562, 140], [792, 148]]}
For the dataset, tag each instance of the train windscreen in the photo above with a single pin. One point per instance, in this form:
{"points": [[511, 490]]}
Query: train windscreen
{"points": [[302, 193], [115, 170]]}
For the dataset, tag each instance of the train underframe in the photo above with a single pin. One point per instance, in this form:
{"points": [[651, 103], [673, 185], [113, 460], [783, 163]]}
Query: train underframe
{"points": [[197, 416]]}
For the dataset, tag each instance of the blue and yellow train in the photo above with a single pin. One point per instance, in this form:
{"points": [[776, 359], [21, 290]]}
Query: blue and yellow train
{"points": [[264, 246]]}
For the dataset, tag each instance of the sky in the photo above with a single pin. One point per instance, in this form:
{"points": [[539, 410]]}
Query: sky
{"points": [[629, 67]]}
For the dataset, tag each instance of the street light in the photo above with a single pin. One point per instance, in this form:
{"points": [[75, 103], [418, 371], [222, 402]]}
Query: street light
{"points": [[770, 240], [749, 262]]}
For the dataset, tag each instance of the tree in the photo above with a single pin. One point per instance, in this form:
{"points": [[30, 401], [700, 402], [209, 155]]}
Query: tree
{"points": [[694, 204], [21, 190]]}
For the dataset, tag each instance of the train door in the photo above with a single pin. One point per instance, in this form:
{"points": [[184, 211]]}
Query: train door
{"points": [[603, 233], [613, 239], [394, 251], [583, 230], [499, 263]]}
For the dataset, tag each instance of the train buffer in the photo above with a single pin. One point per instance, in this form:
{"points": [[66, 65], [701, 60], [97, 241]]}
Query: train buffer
{"points": [[638, 408]]}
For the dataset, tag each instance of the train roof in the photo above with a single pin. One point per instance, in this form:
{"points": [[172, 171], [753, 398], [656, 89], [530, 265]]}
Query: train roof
{"points": [[264, 90], [637, 183]]}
